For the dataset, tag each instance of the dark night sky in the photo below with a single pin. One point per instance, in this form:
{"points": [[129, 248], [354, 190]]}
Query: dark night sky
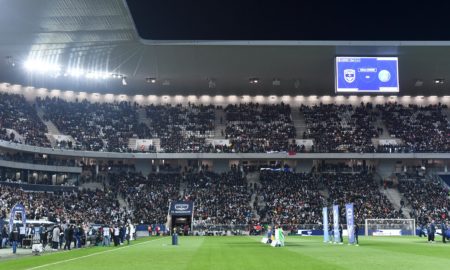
{"points": [[291, 20]]}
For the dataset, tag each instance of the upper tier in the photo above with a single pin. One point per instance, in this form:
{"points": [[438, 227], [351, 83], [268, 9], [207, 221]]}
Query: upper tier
{"points": [[128, 126]]}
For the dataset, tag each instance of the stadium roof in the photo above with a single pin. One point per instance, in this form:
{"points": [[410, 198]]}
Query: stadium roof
{"points": [[100, 36]]}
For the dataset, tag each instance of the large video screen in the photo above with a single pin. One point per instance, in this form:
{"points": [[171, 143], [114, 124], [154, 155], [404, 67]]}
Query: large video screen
{"points": [[366, 74]]}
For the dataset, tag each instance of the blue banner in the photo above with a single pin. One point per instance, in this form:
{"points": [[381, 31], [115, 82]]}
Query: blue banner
{"points": [[336, 223], [326, 236], [350, 222], [18, 208]]}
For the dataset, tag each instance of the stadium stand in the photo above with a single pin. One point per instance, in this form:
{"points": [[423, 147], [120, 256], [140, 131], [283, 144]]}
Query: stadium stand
{"points": [[340, 128], [18, 115], [291, 198], [148, 197], [255, 128], [422, 129], [429, 199], [95, 126], [363, 191], [181, 129], [220, 199]]}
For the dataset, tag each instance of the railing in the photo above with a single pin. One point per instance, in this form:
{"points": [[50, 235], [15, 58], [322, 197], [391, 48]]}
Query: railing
{"points": [[212, 156], [39, 167], [39, 188]]}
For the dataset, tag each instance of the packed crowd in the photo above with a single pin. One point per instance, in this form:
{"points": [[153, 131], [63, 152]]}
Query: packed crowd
{"points": [[219, 198], [249, 128], [255, 128], [148, 196], [18, 115], [82, 206], [181, 128], [428, 199], [363, 192], [95, 126], [283, 197], [422, 129], [290, 198], [340, 128]]}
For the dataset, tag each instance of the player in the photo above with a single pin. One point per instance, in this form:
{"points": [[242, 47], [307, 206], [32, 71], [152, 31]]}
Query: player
{"points": [[355, 231]]}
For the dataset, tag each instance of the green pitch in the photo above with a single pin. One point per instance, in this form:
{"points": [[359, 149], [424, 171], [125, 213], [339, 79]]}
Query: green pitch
{"points": [[247, 253]]}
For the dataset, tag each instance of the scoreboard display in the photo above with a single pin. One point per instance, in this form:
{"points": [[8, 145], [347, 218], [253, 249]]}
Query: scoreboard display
{"points": [[366, 74]]}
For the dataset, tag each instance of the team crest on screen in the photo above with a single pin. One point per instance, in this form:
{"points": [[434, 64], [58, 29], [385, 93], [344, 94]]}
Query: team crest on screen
{"points": [[349, 75]]}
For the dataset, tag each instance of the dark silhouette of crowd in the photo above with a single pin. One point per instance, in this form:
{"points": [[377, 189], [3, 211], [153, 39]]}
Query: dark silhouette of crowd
{"points": [[219, 198], [340, 128], [255, 128], [83, 206], [181, 128], [361, 190], [249, 128], [95, 126], [427, 198], [290, 198], [148, 196], [422, 129], [19, 115]]}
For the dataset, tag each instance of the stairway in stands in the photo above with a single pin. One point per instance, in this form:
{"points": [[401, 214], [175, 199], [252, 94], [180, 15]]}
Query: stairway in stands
{"points": [[380, 124], [298, 119], [395, 197], [219, 124], [183, 186], [253, 180], [142, 118], [52, 129]]}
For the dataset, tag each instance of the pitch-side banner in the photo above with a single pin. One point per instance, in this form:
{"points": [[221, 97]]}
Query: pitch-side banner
{"points": [[350, 222], [326, 236], [336, 223]]}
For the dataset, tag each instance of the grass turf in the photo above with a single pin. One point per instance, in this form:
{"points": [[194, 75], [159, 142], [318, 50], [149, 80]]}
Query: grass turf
{"points": [[247, 253]]}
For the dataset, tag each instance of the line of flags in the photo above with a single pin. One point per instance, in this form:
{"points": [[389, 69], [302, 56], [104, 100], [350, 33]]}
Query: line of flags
{"points": [[349, 215]]}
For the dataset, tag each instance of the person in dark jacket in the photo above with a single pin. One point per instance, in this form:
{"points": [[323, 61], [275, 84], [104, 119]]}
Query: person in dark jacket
{"points": [[340, 233], [68, 234], [356, 229], [4, 237], [444, 230], [431, 231], [13, 238]]}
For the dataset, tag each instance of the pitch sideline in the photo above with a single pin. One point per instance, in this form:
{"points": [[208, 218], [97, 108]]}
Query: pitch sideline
{"points": [[93, 254]]}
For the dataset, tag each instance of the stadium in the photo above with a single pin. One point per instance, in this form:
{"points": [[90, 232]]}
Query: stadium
{"points": [[234, 135]]}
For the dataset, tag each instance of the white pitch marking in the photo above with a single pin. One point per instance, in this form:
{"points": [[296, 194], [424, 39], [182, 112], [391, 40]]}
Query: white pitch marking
{"points": [[93, 254]]}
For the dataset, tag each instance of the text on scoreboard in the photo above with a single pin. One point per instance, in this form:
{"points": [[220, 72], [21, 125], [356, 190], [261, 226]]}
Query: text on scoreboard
{"points": [[366, 74]]}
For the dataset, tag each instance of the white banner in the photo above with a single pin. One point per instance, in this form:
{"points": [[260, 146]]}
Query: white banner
{"points": [[60, 138], [143, 144], [308, 143], [388, 141], [215, 142]]}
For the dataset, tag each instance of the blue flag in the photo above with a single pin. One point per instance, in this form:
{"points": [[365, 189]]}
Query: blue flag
{"points": [[326, 236], [350, 222], [336, 223]]}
